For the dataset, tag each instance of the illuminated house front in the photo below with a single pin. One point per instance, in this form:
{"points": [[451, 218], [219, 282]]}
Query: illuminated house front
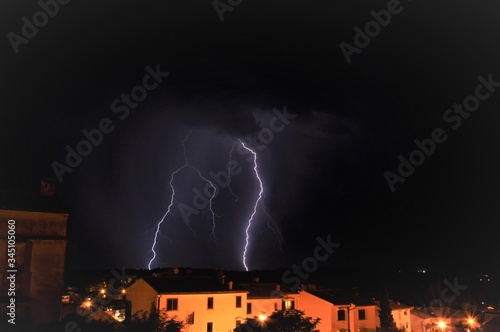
{"points": [[401, 314], [339, 310], [265, 298], [202, 303]]}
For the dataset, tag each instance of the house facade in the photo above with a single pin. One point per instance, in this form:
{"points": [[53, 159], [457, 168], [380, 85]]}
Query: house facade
{"points": [[203, 304], [401, 314], [265, 298], [339, 310]]}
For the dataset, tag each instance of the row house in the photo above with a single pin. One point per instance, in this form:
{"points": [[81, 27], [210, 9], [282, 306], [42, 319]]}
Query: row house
{"points": [[265, 298], [202, 303], [401, 314], [339, 310]]}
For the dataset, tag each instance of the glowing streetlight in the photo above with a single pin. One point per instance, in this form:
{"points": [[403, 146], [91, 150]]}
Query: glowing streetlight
{"points": [[87, 304], [441, 325], [262, 317]]}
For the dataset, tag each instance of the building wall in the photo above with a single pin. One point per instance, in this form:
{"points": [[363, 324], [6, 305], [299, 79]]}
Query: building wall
{"points": [[40, 255], [268, 305], [370, 321], [402, 318], [142, 297], [264, 306], [418, 324], [223, 315], [314, 307]]}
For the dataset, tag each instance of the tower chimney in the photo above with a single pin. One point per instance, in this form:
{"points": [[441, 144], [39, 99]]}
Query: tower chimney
{"points": [[230, 285], [47, 187]]}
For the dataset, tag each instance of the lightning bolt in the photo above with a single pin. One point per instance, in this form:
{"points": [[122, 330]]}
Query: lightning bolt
{"points": [[275, 229], [172, 198], [212, 234], [166, 213], [249, 224]]}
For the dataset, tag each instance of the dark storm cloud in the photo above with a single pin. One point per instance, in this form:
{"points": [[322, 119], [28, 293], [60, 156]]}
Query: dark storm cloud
{"points": [[323, 171]]}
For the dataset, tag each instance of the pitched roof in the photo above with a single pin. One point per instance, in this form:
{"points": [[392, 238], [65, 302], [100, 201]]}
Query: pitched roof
{"points": [[492, 325], [258, 290], [341, 297], [420, 314], [31, 201], [178, 284], [395, 305]]}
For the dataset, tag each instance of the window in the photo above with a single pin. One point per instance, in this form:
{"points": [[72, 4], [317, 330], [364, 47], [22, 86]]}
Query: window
{"points": [[404, 313], [210, 303], [249, 308], [341, 314], [275, 306], [361, 314], [287, 304], [238, 301], [171, 304], [210, 327], [190, 318]]}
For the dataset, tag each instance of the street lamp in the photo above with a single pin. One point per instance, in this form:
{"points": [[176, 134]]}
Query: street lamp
{"points": [[441, 325], [471, 323]]}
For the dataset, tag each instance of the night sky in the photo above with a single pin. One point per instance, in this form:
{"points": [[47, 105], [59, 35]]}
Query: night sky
{"points": [[341, 127]]}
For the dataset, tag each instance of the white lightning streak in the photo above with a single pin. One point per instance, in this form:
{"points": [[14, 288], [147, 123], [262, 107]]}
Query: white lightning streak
{"points": [[166, 213], [255, 206], [186, 164], [275, 229], [212, 234]]}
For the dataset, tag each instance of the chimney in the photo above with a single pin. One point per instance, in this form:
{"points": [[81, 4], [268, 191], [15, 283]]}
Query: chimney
{"points": [[278, 287], [47, 187], [230, 285]]}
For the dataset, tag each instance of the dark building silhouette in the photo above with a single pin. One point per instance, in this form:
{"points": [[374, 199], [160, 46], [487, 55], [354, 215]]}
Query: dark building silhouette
{"points": [[40, 248]]}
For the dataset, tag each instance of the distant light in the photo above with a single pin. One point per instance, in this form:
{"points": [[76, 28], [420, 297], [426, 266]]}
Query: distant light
{"points": [[262, 317], [103, 291], [87, 304], [471, 321], [123, 291], [442, 324]]}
